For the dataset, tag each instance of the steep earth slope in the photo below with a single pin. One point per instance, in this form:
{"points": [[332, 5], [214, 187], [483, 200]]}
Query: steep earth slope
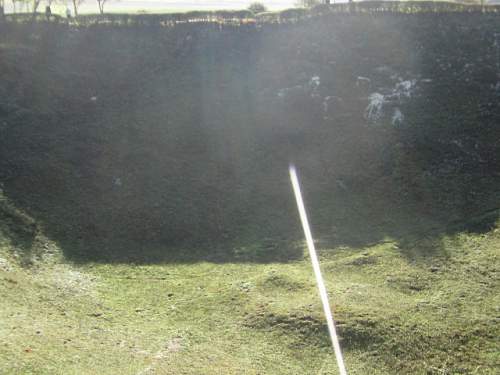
{"points": [[146, 219]]}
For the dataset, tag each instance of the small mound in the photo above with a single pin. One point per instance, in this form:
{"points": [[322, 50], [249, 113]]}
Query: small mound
{"points": [[281, 282], [309, 329], [360, 331], [410, 283], [362, 260]]}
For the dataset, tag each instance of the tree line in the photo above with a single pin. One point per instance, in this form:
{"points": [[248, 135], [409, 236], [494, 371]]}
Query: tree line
{"points": [[34, 5], [256, 13]]}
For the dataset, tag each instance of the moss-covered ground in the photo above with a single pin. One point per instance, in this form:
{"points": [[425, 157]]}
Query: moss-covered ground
{"points": [[401, 309]]}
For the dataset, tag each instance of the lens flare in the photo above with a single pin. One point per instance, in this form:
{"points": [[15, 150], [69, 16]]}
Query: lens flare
{"points": [[317, 271]]}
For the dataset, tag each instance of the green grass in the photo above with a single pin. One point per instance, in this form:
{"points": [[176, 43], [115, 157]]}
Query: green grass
{"points": [[397, 314]]}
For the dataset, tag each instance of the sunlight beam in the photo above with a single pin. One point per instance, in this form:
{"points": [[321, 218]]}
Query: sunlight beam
{"points": [[317, 271]]}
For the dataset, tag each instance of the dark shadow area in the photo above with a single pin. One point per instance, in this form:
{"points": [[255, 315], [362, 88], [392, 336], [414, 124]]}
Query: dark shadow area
{"points": [[146, 144], [18, 229]]}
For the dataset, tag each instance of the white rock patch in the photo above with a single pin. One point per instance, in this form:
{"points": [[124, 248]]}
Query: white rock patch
{"points": [[4, 265], [315, 81], [374, 110], [72, 281], [397, 117], [363, 82], [404, 89], [287, 91], [314, 84]]}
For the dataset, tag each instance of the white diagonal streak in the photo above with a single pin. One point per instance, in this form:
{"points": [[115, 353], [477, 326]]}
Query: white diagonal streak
{"points": [[317, 270]]}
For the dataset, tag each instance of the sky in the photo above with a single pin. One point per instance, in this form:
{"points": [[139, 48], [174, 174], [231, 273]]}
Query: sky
{"points": [[177, 5], [193, 4]]}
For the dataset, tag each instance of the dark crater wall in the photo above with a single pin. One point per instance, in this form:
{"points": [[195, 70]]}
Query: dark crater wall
{"points": [[169, 137]]}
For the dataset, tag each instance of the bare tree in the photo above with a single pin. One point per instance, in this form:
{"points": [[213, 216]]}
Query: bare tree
{"points": [[76, 5], [308, 3], [257, 7], [101, 3], [36, 3]]}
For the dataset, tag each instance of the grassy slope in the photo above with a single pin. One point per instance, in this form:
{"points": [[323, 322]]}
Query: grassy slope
{"points": [[397, 313]]}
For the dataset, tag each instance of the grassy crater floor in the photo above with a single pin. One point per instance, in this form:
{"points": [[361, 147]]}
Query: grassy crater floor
{"points": [[419, 306]]}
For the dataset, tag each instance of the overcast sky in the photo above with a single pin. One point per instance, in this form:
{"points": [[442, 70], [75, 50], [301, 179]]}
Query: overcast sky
{"points": [[192, 4], [180, 5]]}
